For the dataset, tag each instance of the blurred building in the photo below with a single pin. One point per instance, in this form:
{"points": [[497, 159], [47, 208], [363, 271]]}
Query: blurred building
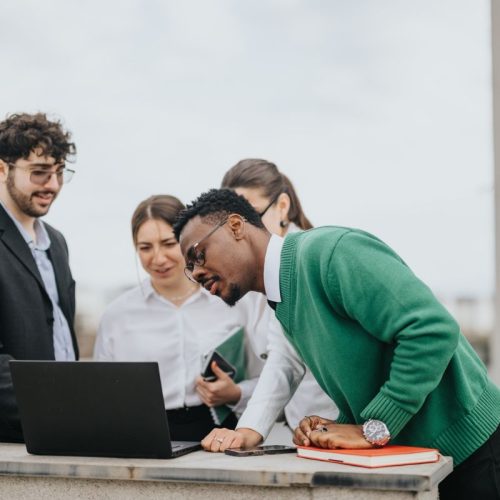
{"points": [[90, 305], [476, 317]]}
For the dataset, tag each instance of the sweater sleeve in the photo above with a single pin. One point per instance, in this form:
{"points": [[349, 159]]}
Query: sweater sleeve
{"points": [[373, 286]]}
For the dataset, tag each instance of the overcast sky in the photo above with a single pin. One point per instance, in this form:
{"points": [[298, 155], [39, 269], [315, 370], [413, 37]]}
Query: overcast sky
{"points": [[378, 110]]}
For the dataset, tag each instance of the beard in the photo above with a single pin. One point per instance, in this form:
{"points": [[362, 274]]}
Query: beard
{"points": [[234, 295], [25, 202]]}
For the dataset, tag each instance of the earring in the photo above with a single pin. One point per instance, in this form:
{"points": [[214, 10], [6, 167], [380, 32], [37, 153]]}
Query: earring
{"points": [[283, 223]]}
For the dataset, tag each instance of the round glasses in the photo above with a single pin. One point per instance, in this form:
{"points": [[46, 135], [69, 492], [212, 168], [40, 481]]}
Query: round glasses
{"points": [[195, 258], [41, 177]]}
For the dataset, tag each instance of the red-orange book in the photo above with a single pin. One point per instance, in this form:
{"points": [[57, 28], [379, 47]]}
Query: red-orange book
{"points": [[388, 456]]}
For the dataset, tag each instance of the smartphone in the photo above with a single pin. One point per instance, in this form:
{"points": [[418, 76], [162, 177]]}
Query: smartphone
{"points": [[224, 365], [271, 449], [239, 452]]}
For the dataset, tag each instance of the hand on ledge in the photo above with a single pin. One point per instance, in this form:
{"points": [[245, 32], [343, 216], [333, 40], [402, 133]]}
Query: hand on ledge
{"points": [[306, 426], [219, 440], [323, 433]]}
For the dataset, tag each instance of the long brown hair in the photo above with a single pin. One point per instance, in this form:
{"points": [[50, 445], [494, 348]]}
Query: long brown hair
{"points": [[264, 175], [160, 207]]}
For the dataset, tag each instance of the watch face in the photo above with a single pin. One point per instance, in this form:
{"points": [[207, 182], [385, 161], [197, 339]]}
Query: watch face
{"points": [[376, 431]]}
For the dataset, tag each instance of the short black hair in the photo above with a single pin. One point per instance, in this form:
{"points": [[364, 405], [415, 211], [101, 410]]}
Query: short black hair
{"points": [[216, 204], [21, 133]]}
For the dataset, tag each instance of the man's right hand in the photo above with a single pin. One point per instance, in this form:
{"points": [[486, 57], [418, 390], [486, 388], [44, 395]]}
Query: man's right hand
{"points": [[306, 425], [219, 440]]}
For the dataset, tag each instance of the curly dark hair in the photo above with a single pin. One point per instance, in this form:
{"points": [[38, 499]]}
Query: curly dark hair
{"points": [[21, 133], [214, 205]]}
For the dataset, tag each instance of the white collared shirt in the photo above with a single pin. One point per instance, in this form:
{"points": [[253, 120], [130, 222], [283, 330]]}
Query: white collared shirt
{"points": [[141, 325], [63, 343], [272, 268]]}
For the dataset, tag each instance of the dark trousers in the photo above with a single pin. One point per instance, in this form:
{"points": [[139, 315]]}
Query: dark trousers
{"points": [[194, 423], [477, 477]]}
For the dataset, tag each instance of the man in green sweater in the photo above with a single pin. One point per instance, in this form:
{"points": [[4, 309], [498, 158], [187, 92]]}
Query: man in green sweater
{"points": [[374, 336]]}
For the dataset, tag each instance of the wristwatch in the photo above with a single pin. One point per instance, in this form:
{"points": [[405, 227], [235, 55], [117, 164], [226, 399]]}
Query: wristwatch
{"points": [[376, 432]]}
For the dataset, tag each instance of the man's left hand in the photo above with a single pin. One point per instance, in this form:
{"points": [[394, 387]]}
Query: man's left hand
{"points": [[340, 436]]}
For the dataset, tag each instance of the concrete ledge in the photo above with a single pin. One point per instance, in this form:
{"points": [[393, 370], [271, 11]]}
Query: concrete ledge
{"points": [[201, 467]]}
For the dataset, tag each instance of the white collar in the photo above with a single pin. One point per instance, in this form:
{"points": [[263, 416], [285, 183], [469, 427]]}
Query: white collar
{"points": [[42, 237], [272, 268], [148, 292]]}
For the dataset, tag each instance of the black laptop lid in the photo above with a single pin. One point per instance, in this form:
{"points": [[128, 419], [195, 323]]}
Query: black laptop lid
{"points": [[113, 409]]}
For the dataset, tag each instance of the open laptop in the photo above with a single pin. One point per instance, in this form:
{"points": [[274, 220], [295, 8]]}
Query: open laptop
{"points": [[103, 409]]}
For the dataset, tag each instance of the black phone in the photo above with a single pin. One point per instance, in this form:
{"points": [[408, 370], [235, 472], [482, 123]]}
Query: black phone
{"points": [[223, 364], [270, 449]]}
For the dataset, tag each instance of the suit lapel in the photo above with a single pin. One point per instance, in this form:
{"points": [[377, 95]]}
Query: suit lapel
{"points": [[58, 259], [13, 239]]}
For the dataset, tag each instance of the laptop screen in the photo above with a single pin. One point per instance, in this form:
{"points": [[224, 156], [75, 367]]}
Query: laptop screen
{"points": [[113, 409]]}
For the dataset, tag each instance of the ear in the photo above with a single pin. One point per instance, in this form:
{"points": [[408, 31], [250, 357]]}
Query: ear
{"points": [[236, 224], [4, 171], [283, 204]]}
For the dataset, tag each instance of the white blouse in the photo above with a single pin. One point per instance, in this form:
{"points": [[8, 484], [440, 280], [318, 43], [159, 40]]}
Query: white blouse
{"points": [[274, 387], [141, 325]]}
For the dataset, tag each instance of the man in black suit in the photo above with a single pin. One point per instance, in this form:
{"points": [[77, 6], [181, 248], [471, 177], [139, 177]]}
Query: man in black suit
{"points": [[37, 291]]}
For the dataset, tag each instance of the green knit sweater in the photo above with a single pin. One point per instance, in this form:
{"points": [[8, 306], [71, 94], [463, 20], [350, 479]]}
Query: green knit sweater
{"points": [[381, 345]]}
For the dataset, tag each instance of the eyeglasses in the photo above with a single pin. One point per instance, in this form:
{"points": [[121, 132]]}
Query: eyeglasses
{"points": [[273, 201], [198, 258], [41, 177]]}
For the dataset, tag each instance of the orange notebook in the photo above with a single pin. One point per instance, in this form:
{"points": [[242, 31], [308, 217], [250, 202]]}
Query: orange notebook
{"points": [[375, 457]]}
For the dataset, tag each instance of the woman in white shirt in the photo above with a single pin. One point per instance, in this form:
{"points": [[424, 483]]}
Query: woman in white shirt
{"points": [[273, 196], [173, 321]]}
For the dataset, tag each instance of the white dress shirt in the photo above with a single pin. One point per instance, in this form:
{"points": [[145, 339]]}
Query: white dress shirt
{"points": [[141, 325], [285, 375], [272, 268]]}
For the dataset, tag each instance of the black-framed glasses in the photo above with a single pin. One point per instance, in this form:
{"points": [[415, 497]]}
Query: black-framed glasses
{"points": [[271, 203], [195, 258], [41, 177]]}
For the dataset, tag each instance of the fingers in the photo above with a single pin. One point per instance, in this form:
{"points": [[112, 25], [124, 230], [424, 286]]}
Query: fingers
{"points": [[300, 438], [213, 394], [322, 439], [339, 436], [307, 424], [206, 442], [219, 440], [222, 391], [201, 382], [220, 374]]}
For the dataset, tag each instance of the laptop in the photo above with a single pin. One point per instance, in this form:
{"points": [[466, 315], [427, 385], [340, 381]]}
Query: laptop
{"points": [[97, 409]]}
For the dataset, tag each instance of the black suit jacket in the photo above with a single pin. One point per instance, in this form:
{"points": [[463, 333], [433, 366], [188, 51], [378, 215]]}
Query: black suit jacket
{"points": [[26, 314]]}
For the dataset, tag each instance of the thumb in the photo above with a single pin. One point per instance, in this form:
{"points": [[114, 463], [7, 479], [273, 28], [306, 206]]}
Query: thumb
{"points": [[221, 374]]}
